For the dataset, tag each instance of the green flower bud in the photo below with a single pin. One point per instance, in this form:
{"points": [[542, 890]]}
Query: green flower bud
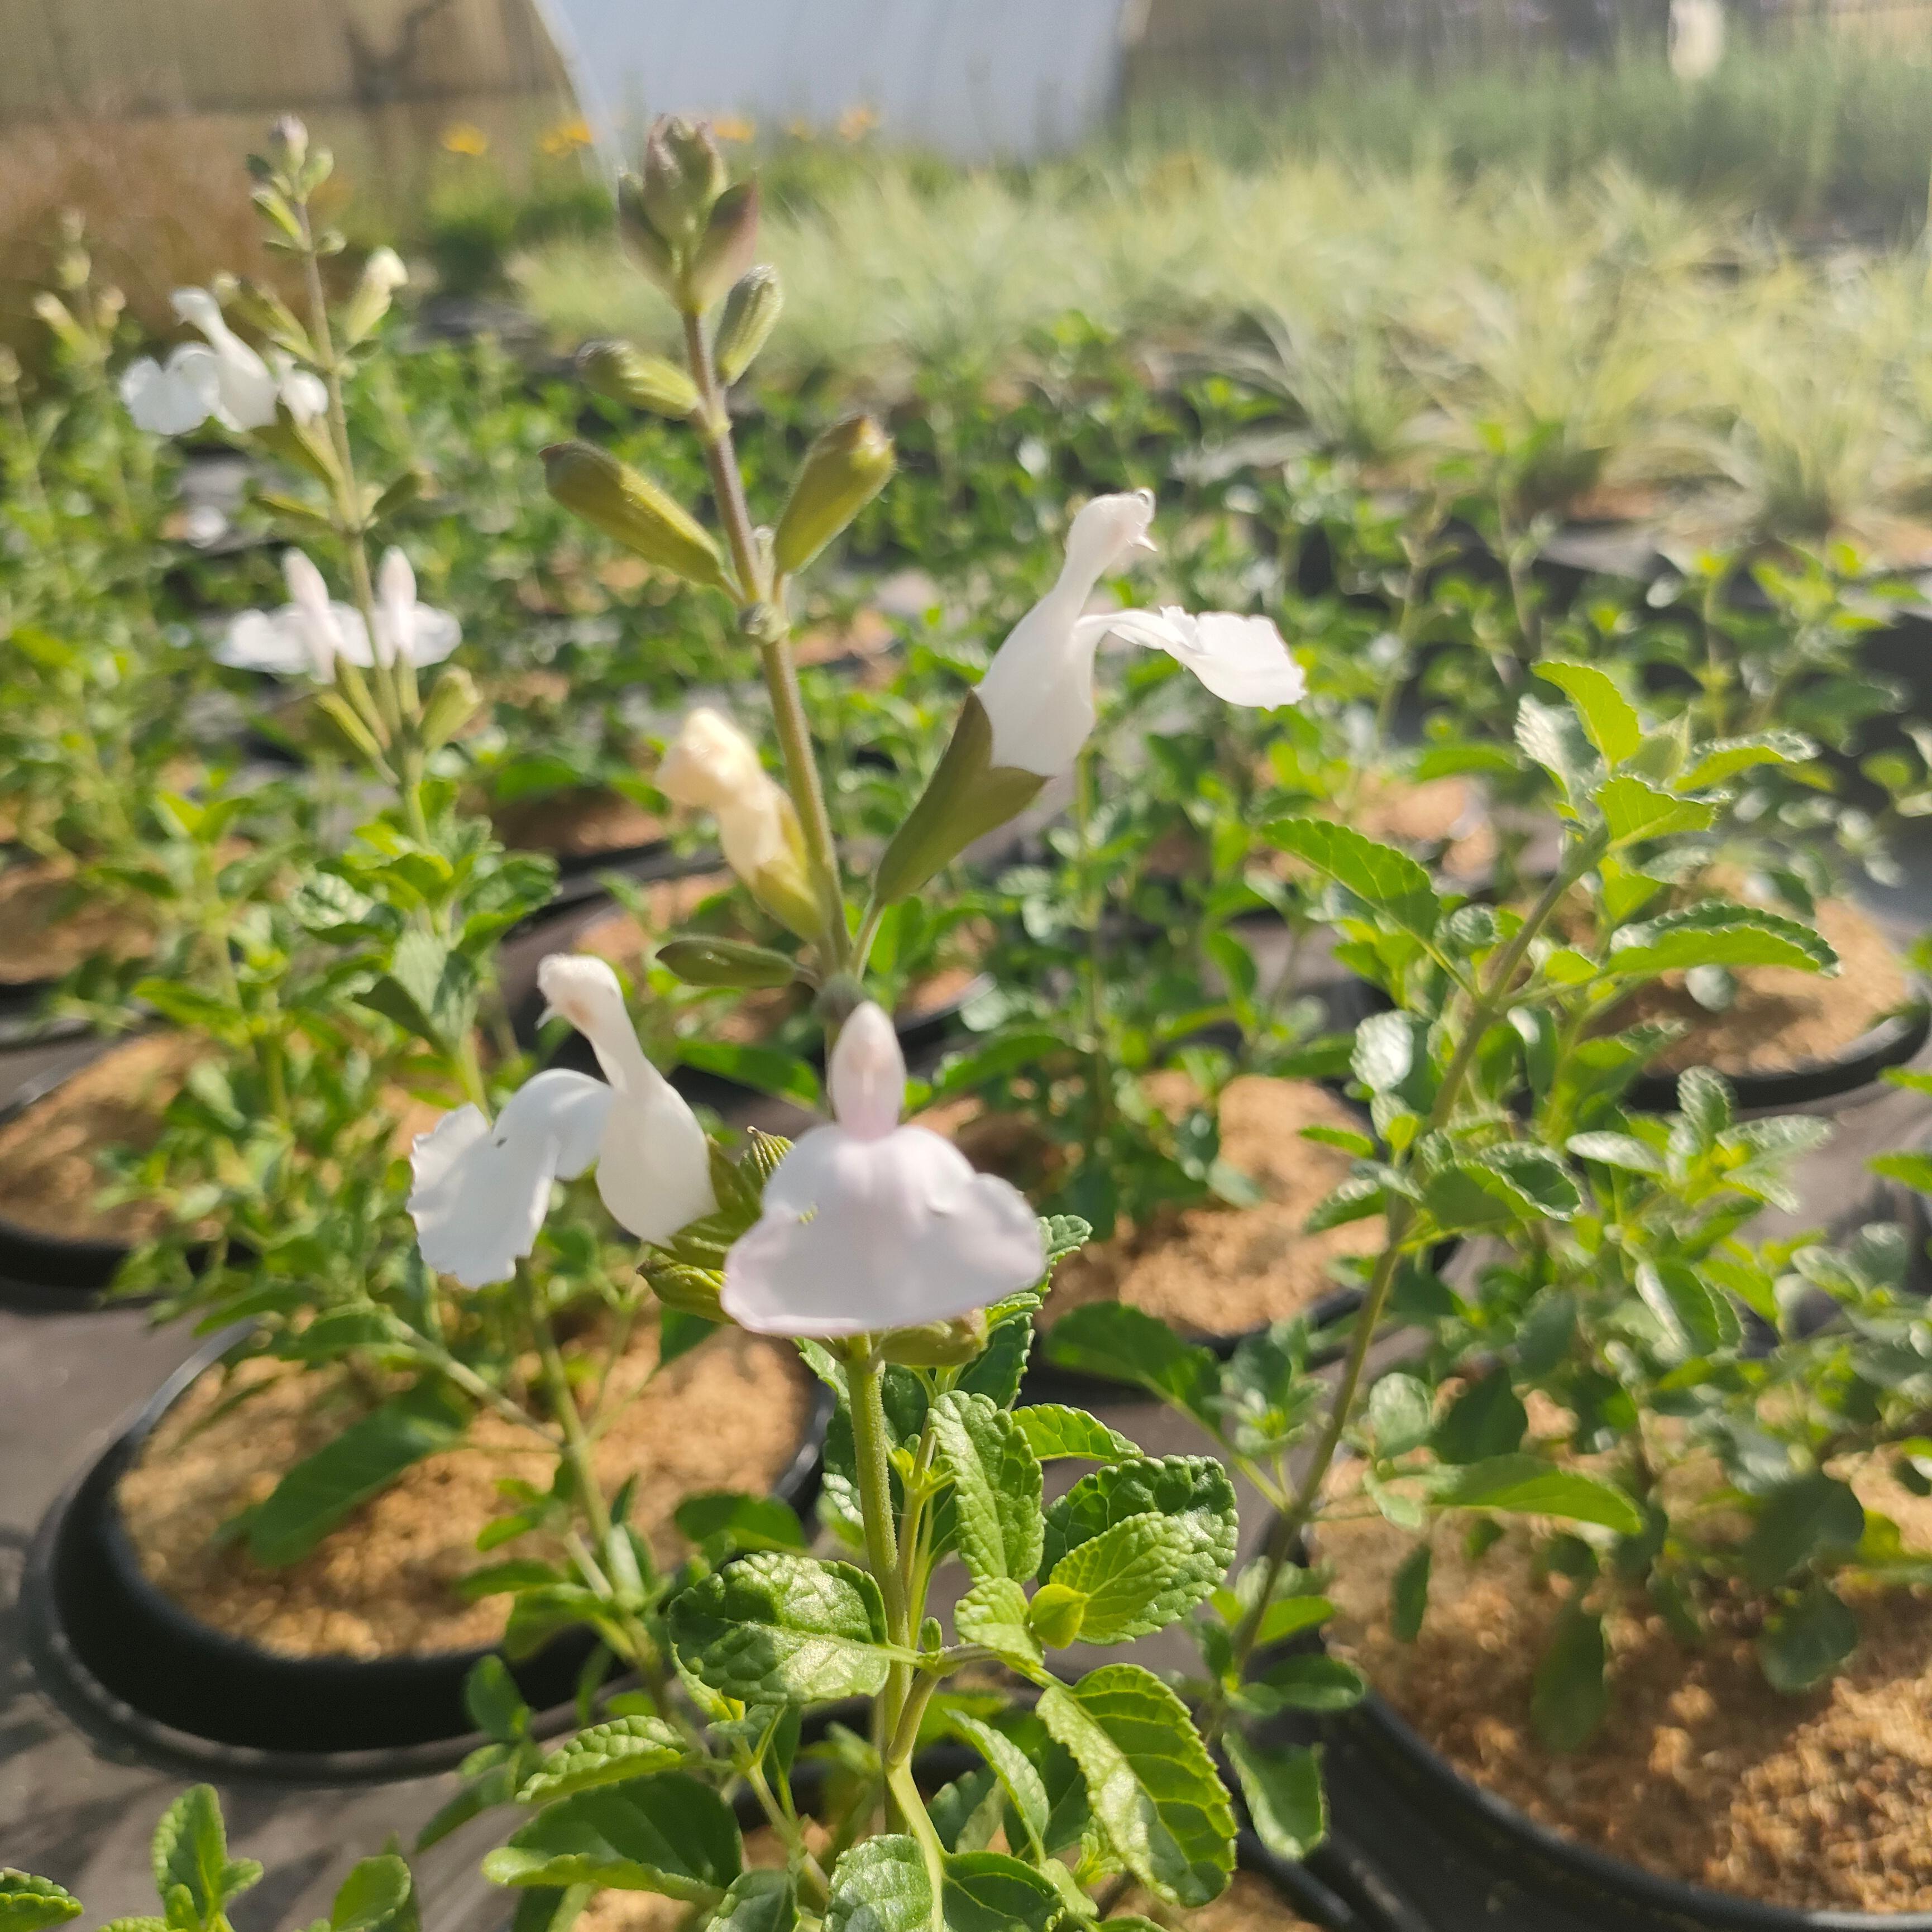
{"points": [[691, 1291], [723, 253], [633, 509], [683, 176], [750, 313], [938, 1344], [644, 245], [288, 143], [453, 702], [52, 311], [1056, 1614], [628, 375], [702, 961], [843, 471]]}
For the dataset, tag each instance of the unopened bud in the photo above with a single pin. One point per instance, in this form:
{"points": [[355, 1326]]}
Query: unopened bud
{"points": [[382, 275], [633, 509], [938, 1345], [53, 312], [288, 142], [642, 242], [723, 253], [10, 368], [843, 471], [683, 176], [628, 375], [691, 1291], [750, 313], [1056, 1614], [453, 702]]}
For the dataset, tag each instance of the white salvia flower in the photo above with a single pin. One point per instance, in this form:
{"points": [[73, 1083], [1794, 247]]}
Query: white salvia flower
{"points": [[309, 631], [868, 1226], [711, 765], [223, 378], [1697, 38], [1038, 692], [384, 270], [482, 1191]]}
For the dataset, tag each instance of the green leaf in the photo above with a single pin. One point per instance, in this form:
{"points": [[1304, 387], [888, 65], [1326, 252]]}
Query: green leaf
{"points": [[1409, 1593], [996, 1485], [667, 1833], [1400, 1414], [1723, 758], [1634, 808], [27, 1904], [744, 1521], [1552, 735], [758, 1901], [1812, 1516], [1282, 1786], [1149, 1779], [1195, 1488], [191, 1850], [988, 1892], [1123, 1344], [1388, 882], [607, 1754], [315, 1495], [1487, 1420], [1315, 1682], [763, 1069], [1141, 1575], [495, 1705], [774, 1628], [378, 1895], [1621, 1151], [1914, 1170], [1608, 715], [1717, 933], [700, 960], [1804, 1645], [1570, 1695], [1016, 1771], [880, 1885], [1289, 1616], [430, 989], [995, 1613], [1055, 1433], [1528, 1486], [1698, 1321]]}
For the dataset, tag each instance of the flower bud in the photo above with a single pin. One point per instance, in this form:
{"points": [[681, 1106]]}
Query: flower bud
{"points": [[54, 312], [938, 1344], [723, 253], [843, 471], [382, 275], [633, 509], [750, 313], [683, 176], [700, 961], [453, 702], [646, 246], [10, 368], [288, 143], [627, 375], [1056, 1614]]}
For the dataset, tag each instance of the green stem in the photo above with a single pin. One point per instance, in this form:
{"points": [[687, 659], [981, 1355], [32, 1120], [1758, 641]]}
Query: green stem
{"points": [[863, 1382]]}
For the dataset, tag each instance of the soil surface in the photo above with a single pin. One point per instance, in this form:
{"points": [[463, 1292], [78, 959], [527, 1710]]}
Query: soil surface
{"points": [[42, 936], [49, 1181], [1211, 1270], [1700, 1771], [1782, 1018], [729, 1415], [576, 824]]}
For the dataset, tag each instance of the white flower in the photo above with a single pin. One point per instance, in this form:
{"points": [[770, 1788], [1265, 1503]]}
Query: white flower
{"points": [[1696, 37], [1038, 692], [224, 378], [309, 631], [711, 765], [481, 1193], [869, 1225], [384, 270]]}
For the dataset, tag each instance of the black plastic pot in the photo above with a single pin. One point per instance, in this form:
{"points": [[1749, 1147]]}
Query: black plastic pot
{"points": [[57, 1272], [179, 1687], [1892, 1042], [1468, 1862]]}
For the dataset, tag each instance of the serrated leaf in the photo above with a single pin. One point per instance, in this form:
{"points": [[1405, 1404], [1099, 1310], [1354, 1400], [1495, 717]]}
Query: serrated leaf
{"points": [[1718, 933], [774, 1628], [668, 1833], [378, 1895], [1623, 1151], [189, 1850], [27, 1904], [1723, 758], [1401, 1412], [1388, 882], [880, 1885], [1698, 1321], [1149, 1779], [745, 1521], [1552, 735], [606, 1753], [996, 1485], [1526, 1485], [1141, 1575], [1634, 808], [988, 1892], [1123, 1344], [994, 1613], [1281, 1786], [1486, 1421], [758, 1901], [1609, 717], [1017, 1774], [1058, 1433], [1194, 1487]]}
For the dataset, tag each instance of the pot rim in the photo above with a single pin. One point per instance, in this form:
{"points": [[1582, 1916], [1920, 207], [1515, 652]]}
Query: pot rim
{"points": [[93, 1494]]}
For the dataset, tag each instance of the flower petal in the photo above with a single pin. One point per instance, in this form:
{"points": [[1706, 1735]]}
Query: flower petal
{"points": [[172, 400], [868, 1075], [654, 1165], [859, 1236], [1242, 660], [481, 1192], [275, 641]]}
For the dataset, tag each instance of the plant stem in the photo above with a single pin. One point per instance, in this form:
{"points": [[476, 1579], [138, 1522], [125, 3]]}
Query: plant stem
{"points": [[713, 424]]}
